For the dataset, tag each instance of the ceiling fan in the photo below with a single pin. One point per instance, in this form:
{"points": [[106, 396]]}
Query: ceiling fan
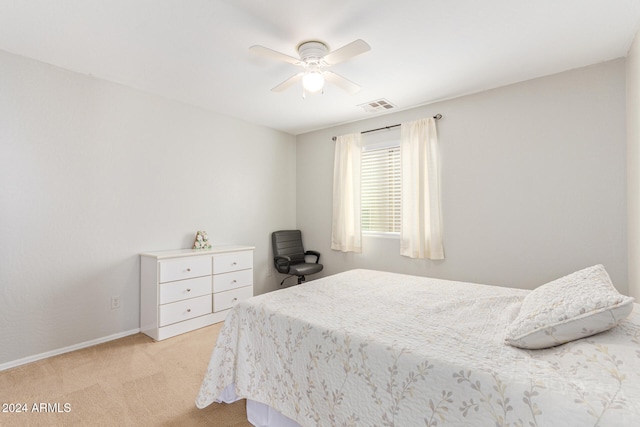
{"points": [[315, 59]]}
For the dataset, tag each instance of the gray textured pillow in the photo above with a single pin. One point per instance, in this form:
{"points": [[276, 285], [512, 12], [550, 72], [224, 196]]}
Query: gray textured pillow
{"points": [[572, 307]]}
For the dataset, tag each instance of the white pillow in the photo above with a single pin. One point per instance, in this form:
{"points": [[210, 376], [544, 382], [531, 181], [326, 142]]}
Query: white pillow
{"points": [[572, 307]]}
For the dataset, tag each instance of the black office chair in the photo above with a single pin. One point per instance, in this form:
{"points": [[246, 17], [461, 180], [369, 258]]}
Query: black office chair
{"points": [[289, 255]]}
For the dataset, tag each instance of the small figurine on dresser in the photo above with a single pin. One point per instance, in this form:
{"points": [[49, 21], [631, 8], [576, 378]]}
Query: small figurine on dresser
{"points": [[201, 241]]}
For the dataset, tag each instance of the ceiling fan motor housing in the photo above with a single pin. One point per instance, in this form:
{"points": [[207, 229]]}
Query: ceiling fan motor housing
{"points": [[312, 52]]}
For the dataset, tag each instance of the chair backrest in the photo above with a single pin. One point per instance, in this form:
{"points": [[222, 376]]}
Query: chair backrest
{"points": [[288, 243]]}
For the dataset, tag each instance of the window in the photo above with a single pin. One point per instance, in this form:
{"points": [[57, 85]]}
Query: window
{"points": [[380, 192]]}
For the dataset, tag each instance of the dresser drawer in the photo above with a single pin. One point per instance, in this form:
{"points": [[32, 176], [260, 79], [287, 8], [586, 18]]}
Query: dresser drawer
{"points": [[183, 289], [183, 310], [185, 268], [232, 261], [227, 299], [235, 279]]}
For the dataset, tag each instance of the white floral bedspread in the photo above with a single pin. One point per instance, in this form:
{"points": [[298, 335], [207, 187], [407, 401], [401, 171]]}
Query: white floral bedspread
{"points": [[367, 348]]}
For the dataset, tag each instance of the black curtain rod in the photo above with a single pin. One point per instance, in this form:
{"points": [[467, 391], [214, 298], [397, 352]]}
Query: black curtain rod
{"points": [[437, 117]]}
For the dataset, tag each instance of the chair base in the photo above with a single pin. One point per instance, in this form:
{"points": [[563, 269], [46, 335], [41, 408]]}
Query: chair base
{"points": [[300, 279]]}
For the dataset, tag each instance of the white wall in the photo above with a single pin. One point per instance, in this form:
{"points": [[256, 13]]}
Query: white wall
{"points": [[533, 183], [93, 173], [633, 165]]}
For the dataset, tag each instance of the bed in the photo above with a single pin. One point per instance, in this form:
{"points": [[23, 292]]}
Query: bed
{"points": [[370, 348]]}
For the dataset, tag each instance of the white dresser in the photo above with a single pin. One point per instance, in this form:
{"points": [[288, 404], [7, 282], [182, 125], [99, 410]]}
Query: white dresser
{"points": [[186, 289]]}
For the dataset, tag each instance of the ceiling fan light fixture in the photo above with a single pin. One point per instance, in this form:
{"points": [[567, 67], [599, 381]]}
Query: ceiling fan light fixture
{"points": [[315, 58], [313, 81]]}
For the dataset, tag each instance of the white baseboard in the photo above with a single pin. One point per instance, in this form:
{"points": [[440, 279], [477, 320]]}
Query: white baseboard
{"points": [[29, 359]]}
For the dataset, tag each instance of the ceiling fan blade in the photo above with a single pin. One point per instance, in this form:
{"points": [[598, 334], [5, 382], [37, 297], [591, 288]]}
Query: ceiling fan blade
{"points": [[270, 53], [350, 50], [341, 82], [288, 83]]}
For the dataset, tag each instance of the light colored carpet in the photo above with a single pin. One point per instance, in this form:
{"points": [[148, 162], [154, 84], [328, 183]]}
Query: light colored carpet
{"points": [[132, 381]]}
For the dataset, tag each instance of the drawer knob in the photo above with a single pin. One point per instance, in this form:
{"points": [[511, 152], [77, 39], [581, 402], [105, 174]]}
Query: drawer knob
{"points": [[188, 310], [234, 263], [188, 290], [235, 299], [234, 281], [188, 269]]}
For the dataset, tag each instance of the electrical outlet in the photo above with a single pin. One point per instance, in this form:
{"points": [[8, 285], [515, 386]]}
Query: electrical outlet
{"points": [[115, 302]]}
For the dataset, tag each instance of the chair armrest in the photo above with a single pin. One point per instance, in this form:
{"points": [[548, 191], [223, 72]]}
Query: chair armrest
{"points": [[286, 264], [314, 253]]}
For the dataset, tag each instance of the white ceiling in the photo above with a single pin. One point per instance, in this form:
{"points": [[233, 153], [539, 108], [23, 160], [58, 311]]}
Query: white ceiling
{"points": [[196, 51]]}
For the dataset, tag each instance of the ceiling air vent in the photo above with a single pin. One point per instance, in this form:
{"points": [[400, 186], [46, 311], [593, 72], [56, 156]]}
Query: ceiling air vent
{"points": [[377, 106]]}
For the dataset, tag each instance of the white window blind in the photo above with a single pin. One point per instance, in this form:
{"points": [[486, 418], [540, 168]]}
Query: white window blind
{"points": [[380, 192]]}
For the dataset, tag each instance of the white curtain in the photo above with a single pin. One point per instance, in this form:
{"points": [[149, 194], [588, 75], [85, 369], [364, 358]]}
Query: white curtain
{"points": [[421, 230], [346, 233]]}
